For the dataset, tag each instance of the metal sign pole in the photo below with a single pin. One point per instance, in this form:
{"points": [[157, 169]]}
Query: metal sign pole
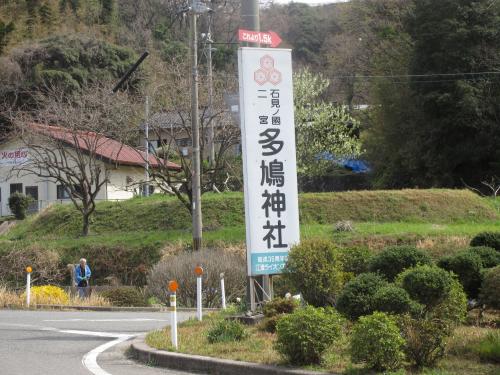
{"points": [[28, 285], [172, 287]]}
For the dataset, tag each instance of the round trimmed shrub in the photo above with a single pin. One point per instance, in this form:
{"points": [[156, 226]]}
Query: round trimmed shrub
{"points": [[395, 259], [489, 256], [304, 335], [490, 289], [313, 269], [357, 297], [274, 310], [427, 285], [355, 261], [18, 204], [226, 331], [392, 299], [124, 296], [488, 239], [467, 266], [453, 308], [376, 340]]}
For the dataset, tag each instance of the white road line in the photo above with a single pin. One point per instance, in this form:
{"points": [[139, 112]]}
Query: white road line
{"points": [[89, 360]]}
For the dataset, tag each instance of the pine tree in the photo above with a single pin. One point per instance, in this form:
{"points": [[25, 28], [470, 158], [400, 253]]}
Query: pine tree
{"points": [[107, 11], [31, 20], [46, 14], [5, 30]]}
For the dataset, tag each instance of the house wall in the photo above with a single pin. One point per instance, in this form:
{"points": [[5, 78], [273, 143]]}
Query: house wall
{"points": [[183, 138], [123, 183]]}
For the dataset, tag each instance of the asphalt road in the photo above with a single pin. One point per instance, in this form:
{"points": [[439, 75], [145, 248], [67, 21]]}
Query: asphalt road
{"points": [[74, 343]]}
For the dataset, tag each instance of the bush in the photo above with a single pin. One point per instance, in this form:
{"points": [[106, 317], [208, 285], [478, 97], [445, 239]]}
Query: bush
{"points": [[124, 296], [428, 285], [395, 259], [47, 295], [424, 339], [489, 256], [274, 310], [488, 239], [302, 337], [225, 331], [355, 261], [392, 299], [452, 310], [313, 268], [490, 289], [467, 266], [426, 333], [488, 348], [180, 267], [18, 204], [282, 286], [46, 264], [128, 265], [376, 340], [357, 297], [9, 298]]}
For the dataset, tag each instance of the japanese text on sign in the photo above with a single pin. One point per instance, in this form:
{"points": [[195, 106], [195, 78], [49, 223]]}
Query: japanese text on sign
{"points": [[14, 157], [271, 207]]}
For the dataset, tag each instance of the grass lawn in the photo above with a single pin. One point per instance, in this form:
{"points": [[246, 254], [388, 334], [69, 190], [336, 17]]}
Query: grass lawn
{"points": [[258, 347], [435, 237]]}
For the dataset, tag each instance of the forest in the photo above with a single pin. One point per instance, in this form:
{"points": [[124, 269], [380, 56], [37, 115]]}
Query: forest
{"points": [[409, 86]]}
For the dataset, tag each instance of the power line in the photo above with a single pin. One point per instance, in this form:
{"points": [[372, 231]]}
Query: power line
{"points": [[415, 75]]}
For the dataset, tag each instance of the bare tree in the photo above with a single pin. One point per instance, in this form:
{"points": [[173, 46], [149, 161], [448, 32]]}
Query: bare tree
{"points": [[171, 126], [67, 140]]}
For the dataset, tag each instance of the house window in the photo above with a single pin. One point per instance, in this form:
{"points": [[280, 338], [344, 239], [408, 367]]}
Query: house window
{"points": [[16, 188], [184, 142], [32, 191], [64, 193]]}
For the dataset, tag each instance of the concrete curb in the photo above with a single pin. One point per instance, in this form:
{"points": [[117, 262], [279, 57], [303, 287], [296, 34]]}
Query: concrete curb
{"points": [[207, 365], [112, 308]]}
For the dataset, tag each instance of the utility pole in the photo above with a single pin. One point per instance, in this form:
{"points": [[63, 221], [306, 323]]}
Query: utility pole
{"points": [[197, 7], [250, 15], [146, 145], [211, 136], [251, 21]]}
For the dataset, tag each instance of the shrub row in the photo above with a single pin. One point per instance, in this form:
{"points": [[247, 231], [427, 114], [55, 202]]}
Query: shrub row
{"points": [[122, 265]]}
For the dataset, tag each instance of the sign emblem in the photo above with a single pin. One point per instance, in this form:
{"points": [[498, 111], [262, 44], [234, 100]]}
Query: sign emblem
{"points": [[267, 72]]}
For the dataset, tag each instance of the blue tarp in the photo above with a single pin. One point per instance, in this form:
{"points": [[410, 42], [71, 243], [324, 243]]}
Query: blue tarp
{"points": [[354, 165]]}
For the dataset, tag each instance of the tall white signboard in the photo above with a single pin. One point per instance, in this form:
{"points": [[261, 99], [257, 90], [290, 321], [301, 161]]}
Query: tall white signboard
{"points": [[269, 161]]}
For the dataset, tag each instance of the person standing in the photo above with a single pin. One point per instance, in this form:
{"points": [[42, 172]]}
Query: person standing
{"points": [[82, 277]]}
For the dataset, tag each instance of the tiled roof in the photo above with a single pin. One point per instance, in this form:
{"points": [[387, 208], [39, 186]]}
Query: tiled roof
{"points": [[110, 149]]}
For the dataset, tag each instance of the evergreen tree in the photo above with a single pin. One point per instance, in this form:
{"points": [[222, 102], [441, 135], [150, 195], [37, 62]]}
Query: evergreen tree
{"points": [[46, 14], [441, 126], [458, 130], [107, 11], [31, 20], [5, 30]]}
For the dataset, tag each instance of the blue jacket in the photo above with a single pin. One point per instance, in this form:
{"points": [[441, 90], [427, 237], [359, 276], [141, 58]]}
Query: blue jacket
{"points": [[78, 273]]}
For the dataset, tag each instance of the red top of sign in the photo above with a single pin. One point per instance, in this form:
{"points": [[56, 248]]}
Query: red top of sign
{"points": [[270, 38]]}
